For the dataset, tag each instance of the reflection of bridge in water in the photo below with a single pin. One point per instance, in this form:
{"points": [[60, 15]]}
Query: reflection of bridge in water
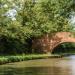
{"points": [[47, 43]]}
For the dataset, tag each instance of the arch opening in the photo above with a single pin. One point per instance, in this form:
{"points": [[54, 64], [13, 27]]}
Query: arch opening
{"points": [[66, 47]]}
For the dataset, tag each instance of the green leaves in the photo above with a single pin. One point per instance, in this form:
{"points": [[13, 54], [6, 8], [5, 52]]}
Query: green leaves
{"points": [[37, 18], [33, 19]]}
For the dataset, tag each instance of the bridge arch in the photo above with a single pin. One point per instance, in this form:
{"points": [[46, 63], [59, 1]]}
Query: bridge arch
{"points": [[48, 42], [64, 47]]}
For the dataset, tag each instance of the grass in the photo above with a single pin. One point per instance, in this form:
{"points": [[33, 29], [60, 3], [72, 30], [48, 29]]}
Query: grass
{"points": [[17, 58]]}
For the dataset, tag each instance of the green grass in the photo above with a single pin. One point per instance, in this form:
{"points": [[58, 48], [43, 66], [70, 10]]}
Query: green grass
{"points": [[17, 58]]}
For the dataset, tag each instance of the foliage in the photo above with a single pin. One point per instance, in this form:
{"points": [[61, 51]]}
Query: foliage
{"points": [[17, 58], [21, 20]]}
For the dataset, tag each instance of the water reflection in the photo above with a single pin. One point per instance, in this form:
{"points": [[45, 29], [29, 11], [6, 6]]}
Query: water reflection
{"points": [[35, 71], [72, 57], [72, 64], [60, 66]]}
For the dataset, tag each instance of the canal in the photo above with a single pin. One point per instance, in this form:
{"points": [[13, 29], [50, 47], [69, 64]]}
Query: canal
{"points": [[50, 66]]}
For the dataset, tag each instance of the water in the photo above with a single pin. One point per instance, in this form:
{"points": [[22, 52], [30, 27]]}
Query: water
{"points": [[53, 66]]}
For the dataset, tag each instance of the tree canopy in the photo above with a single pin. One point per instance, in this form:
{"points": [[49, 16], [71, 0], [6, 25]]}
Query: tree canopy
{"points": [[24, 19]]}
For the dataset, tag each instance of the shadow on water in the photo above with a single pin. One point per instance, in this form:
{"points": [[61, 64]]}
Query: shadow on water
{"points": [[34, 71]]}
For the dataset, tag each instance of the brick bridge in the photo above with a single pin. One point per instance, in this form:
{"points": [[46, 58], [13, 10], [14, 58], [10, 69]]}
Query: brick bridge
{"points": [[48, 42]]}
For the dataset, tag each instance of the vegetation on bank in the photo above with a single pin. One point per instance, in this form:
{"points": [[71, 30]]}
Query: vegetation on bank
{"points": [[17, 58]]}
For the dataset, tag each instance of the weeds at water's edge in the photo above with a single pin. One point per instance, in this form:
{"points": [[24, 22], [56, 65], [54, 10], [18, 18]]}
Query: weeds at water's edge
{"points": [[18, 58]]}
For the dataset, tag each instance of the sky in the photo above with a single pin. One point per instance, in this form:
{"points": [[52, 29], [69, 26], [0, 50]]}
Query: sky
{"points": [[11, 14]]}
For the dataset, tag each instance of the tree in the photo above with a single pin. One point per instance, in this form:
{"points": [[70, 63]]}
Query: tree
{"points": [[13, 34], [47, 16], [23, 19]]}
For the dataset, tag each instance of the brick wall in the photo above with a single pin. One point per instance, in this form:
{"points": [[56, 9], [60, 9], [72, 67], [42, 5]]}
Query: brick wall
{"points": [[48, 42]]}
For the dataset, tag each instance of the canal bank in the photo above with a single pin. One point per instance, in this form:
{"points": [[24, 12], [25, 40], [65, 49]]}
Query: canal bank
{"points": [[18, 58], [55, 66]]}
